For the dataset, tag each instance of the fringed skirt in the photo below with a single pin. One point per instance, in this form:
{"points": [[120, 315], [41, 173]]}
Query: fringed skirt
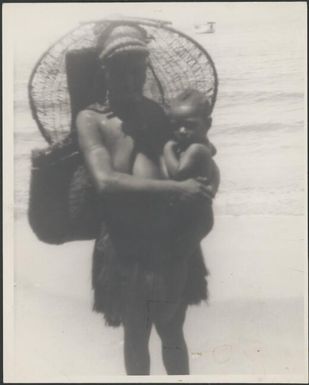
{"points": [[121, 281]]}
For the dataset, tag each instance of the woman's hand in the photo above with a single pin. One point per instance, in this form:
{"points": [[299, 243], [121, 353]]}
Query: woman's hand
{"points": [[196, 190]]}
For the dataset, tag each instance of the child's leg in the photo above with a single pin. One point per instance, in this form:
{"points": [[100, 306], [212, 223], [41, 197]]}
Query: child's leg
{"points": [[193, 223], [209, 164], [192, 228]]}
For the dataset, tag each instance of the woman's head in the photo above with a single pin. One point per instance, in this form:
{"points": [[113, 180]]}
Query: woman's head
{"points": [[123, 53]]}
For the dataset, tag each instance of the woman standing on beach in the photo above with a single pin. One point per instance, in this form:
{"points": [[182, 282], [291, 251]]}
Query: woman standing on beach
{"points": [[136, 280]]}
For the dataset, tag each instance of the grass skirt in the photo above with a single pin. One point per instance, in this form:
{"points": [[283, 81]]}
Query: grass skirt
{"points": [[118, 281]]}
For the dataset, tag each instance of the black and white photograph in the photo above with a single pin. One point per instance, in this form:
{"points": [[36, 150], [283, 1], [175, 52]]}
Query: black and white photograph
{"points": [[155, 192]]}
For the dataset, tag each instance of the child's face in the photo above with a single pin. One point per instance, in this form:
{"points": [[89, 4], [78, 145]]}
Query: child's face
{"points": [[188, 124]]}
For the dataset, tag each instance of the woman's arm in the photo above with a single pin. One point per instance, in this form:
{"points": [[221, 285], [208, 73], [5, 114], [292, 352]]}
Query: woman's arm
{"points": [[108, 181]]}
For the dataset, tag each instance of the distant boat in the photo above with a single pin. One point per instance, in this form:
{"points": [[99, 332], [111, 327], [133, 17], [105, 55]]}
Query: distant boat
{"points": [[205, 28]]}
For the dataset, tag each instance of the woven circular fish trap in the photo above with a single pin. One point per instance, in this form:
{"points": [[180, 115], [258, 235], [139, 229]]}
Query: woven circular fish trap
{"points": [[177, 62]]}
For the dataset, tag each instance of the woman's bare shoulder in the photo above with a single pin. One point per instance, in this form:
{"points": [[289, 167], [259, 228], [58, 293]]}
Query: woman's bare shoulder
{"points": [[87, 119], [88, 114], [88, 126]]}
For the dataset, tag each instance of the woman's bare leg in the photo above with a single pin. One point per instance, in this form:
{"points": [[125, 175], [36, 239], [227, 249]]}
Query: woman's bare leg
{"points": [[137, 328], [174, 348]]}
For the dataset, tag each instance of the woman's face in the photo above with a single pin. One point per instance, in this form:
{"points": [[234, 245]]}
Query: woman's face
{"points": [[125, 77]]}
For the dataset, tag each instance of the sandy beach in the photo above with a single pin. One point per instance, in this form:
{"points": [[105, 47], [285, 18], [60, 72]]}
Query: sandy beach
{"points": [[253, 325]]}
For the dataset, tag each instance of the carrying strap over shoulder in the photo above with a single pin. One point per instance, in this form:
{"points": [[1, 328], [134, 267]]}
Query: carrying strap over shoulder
{"points": [[56, 152]]}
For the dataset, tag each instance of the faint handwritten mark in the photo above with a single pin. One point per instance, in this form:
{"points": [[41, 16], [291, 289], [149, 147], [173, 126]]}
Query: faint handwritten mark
{"points": [[196, 355]]}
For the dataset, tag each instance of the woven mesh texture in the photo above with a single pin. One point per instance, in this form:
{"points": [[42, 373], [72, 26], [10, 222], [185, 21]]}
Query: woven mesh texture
{"points": [[176, 62]]}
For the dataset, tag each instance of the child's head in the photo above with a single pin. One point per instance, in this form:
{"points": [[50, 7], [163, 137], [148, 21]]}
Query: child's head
{"points": [[190, 116]]}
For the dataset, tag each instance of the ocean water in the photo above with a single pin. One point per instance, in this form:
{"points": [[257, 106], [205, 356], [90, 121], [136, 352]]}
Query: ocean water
{"points": [[258, 121]]}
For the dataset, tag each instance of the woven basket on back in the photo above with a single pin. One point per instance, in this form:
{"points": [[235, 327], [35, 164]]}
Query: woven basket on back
{"points": [[67, 78], [176, 62]]}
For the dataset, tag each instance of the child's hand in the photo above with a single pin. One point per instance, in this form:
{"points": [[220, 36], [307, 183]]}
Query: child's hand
{"points": [[171, 145]]}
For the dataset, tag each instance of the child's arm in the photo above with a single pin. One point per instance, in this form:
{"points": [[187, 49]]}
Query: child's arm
{"points": [[195, 161], [170, 158]]}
